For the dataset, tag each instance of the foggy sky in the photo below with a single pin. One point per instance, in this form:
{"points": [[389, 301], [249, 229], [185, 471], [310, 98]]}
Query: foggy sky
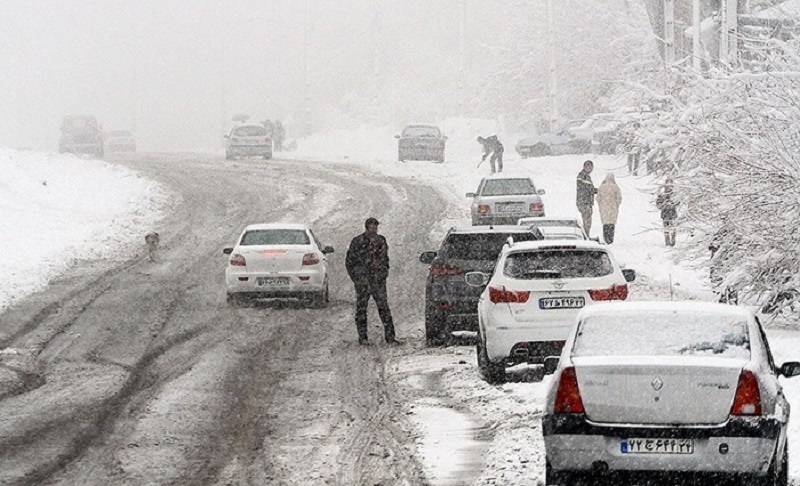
{"points": [[174, 71]]}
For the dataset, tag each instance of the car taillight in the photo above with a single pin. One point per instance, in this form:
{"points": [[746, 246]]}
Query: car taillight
{"points": [[568, 396], [238, 260], [501, 294], [616, 292], [443, 269], [536, 207], [483, 208], [310, 259], [748, 397]]}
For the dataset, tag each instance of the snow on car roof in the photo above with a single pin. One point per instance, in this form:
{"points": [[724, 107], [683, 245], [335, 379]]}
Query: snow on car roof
{"points": [[499, 228], [263, 226], [690, 307], [543, 244]]}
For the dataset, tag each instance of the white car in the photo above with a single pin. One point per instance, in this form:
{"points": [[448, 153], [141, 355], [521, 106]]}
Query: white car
{"points": [[278, 260], [119, 141], [503, 199], [530, 301], [685, 388], [248, 139]]}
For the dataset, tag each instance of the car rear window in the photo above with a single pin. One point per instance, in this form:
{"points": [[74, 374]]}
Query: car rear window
{"points": [[558, 263], [421, 132], [254, 131], [275, 237], [479, 246], [663, 333], [511, 187]]}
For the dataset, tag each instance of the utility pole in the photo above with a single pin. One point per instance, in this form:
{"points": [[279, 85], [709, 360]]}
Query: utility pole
{"points": [[306, 50], [696, 36], [462, 53], [729, 32], [669, 32], [553, 92]]}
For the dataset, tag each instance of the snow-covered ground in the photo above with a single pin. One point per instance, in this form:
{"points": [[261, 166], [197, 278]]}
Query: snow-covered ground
{"points": [[60, 209]]}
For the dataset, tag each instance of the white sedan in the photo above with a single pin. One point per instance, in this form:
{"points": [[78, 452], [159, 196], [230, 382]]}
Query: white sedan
{"points": [[278, 260], [650, 388]]}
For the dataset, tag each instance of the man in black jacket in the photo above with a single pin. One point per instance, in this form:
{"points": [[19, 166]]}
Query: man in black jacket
{"points": [[584, 195], [492, 146], [367, 263]]}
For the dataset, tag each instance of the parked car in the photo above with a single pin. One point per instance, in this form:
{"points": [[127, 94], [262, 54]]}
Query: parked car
{"points": [[685, 388], [555, 227], [81, 134], [502, 199], [278, 260], [119, 141], [248, 139], [562, 141], [421, 142], [530, 301], [450, 304]]}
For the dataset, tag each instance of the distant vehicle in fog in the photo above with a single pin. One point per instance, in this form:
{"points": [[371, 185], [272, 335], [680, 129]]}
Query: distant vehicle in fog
{"points": [[248, 139], [80, 134], [420, 142], [119, 141]]}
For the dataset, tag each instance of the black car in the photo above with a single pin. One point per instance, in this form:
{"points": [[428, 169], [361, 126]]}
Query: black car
{"points": [[450, 304], [421, 142]]}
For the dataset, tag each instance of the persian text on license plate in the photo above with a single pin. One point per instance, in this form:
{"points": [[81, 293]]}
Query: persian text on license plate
{"points": [[657, 446], [511, 208], [562, 303], [272, 281]]}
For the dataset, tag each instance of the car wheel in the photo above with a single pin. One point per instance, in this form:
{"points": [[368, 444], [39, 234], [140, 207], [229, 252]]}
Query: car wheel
{"points": [[492, 373], [560, 478], [434, 328], [320, 300], [540, 150]]}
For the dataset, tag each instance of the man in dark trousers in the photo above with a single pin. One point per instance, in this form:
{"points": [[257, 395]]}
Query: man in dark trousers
{"points": [[367, 263], [584, 195], [492, 146]]}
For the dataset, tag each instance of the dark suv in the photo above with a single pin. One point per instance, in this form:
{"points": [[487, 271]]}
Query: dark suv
{"points": [[451, 304]]}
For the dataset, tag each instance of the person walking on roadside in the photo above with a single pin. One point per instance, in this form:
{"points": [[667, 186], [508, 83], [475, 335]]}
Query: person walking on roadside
{"points": [[584, 195], [367, 264], [665, 201], [492, 145], [609, 197]]}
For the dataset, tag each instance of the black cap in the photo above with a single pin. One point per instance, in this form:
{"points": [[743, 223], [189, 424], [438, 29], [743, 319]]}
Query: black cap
{"points": [[370, 221]]}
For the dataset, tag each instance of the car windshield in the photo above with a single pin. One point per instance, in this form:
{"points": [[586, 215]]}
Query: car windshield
{"points": [[557, 263], [508, 187], [663, 333], [275, 237], [479, 246], [250, 131], [421, 132]]}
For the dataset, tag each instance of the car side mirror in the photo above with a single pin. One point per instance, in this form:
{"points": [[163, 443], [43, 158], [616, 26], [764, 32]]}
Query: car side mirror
{"points": [[629, 273], [427, 256], [476, 279], [550, 365], [227, 251], [540, 192], [790, 369], [327, 249], [397, 137], [470, 194]]}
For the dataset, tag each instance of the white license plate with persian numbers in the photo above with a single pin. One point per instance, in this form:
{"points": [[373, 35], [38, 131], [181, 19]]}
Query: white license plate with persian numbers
{"points": [[510, 207], [272, 281], [657, 446], [562, 303]]}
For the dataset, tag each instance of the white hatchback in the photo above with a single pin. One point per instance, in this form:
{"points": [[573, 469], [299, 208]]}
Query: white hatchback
{"points": [[688, 389], [278, 260], [530, 301], [248, 139]]}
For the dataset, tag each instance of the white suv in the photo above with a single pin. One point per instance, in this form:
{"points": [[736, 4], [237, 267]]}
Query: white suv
{"points": [[533, 297]]}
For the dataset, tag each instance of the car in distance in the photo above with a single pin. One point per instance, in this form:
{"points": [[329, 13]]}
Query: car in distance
{"points": [[80, 134], [554, 228], [681, 388], [278, 260], [502, 199], [529, 304], [248, 139], [563, 141], [421, 142], [119, 141], [450, 304]]}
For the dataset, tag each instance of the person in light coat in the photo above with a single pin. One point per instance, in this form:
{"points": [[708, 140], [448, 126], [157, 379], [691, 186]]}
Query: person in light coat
{"points": [[609, 197]]}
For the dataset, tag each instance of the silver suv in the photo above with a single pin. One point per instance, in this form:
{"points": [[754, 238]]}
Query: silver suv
{"points": [[502, 199]]}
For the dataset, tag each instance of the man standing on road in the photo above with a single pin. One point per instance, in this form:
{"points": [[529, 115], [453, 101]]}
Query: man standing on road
{"points": [[492, 146], [584, 196], [367, 263]]}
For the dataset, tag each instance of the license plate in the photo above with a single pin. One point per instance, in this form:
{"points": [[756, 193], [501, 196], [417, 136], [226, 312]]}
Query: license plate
{"points": [[272, 281], [657, 446], [511, 208], [562, 303]]}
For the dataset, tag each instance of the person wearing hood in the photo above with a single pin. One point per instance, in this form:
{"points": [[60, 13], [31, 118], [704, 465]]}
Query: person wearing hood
{"points": [[609, 197], [665, 201]]}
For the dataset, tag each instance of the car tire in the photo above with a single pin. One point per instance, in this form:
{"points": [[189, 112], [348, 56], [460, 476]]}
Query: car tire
{"points": [[492, 373], [319, 300], [540, 150], [434, 328], [560, 478]]}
